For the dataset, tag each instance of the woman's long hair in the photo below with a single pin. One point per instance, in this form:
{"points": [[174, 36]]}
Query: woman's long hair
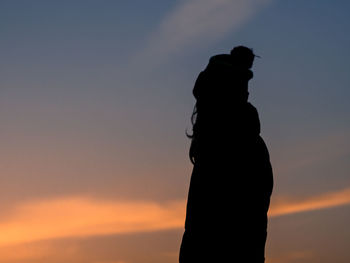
{"points": [[196, 117], [194, 136]]}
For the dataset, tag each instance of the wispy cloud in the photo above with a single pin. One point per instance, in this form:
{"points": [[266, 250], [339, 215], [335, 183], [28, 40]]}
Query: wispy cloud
{"points": [[198, 23], [82, 217], [285, 206]]}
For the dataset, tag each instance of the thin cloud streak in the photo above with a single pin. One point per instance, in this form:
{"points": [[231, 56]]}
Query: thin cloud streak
{"points": [[197, 23], [284, 206], [83, 217]]}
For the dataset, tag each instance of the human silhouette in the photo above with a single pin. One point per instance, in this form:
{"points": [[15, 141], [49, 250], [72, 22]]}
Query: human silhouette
{"points": [[232, 181]]}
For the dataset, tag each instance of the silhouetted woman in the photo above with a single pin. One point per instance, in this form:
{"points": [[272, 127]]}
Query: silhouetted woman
{"points": [[231, 182]]}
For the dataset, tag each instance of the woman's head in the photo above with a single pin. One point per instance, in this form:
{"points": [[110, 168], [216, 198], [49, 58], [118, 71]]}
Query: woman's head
{"points": [[243, 56], [221, 88]]}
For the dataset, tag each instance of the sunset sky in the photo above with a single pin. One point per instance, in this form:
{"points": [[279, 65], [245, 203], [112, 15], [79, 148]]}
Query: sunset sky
{"points": [[95, 100]]}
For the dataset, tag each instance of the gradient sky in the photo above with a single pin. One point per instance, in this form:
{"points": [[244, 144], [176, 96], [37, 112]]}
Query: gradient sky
{"points": [[95, 99]]}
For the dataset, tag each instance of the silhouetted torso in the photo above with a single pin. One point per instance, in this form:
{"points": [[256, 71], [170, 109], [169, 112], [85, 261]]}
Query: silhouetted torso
{"points": [[232, 181]]}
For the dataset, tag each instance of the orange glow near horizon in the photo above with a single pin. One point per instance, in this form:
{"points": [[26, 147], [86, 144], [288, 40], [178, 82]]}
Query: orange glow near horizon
{"points": [[82, 217], [284, 206]]}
